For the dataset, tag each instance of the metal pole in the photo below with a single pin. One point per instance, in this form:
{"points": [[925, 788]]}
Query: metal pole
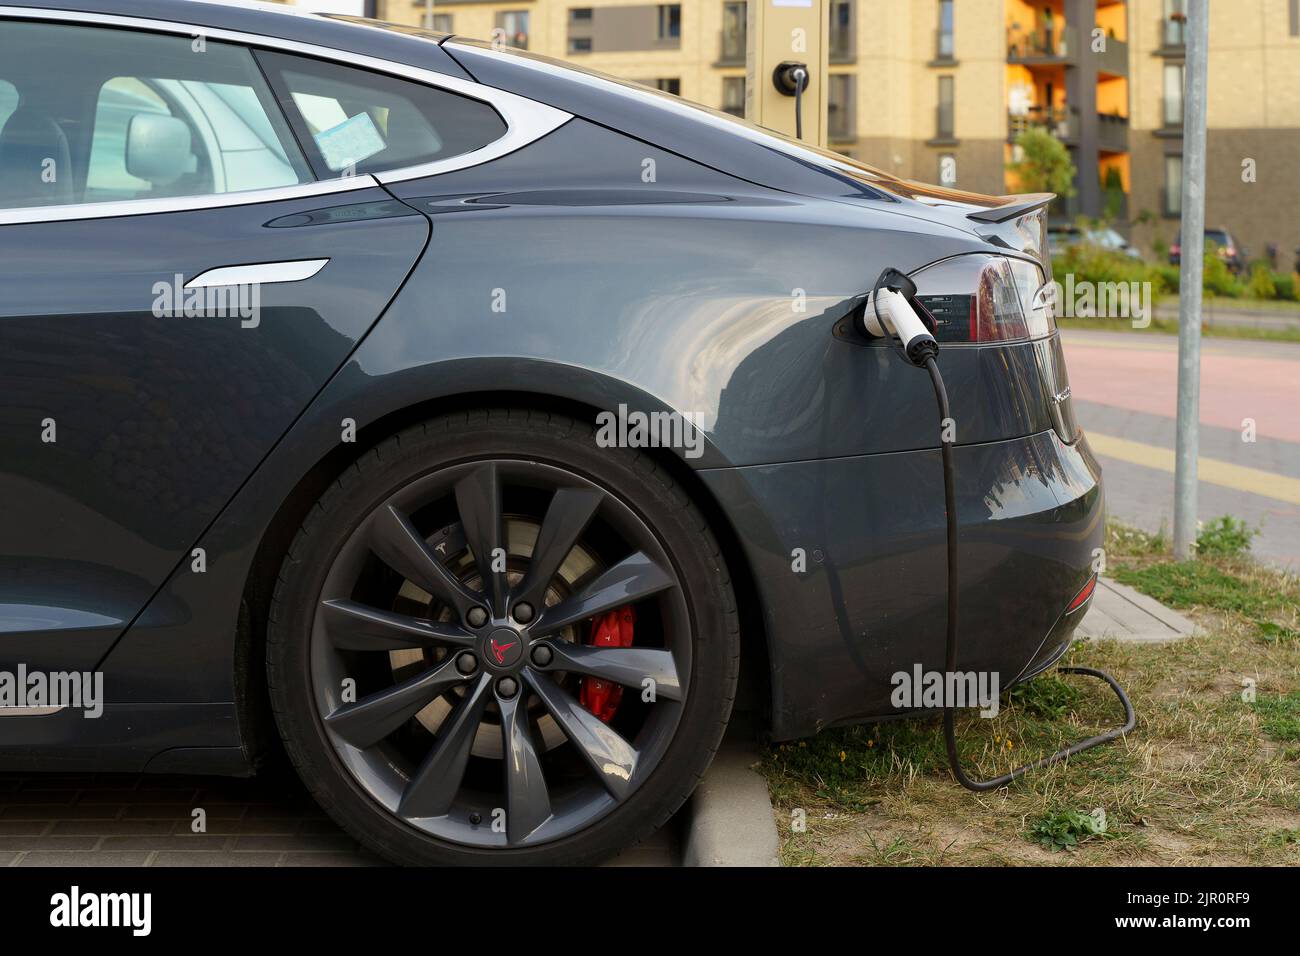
{"points": [[428, 14], [1189, 285]]}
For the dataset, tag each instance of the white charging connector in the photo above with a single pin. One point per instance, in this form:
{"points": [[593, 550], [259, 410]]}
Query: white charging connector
{"points": [[890, 313]]}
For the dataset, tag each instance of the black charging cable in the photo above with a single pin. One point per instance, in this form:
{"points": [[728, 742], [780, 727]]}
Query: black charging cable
{"points": [[925, 355], [791, 79]]}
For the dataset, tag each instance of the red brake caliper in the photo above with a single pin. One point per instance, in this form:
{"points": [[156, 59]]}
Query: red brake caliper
{"points": [[610, 630]]}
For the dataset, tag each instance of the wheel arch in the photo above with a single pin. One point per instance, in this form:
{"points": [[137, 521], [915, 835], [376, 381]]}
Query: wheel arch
{"points": [[256, 724]]}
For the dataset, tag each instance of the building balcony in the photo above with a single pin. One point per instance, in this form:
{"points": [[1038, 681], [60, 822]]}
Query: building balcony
{"points": [[1113, 60], [1061, 123], [1041, 46], [1112, 133]]}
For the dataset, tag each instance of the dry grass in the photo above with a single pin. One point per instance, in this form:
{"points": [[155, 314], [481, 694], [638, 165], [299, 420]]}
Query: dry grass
{"points": [[1206, 778]]}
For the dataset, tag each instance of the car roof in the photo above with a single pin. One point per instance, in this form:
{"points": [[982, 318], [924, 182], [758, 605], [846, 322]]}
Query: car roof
{"points": [[408, 45]]}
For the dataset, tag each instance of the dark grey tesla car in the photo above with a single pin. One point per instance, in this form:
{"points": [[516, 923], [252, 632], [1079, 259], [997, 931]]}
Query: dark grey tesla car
{"points": [[469, 423]]}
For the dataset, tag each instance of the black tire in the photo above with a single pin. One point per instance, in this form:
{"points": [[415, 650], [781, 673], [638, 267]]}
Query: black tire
{"points": [[635, 484]]}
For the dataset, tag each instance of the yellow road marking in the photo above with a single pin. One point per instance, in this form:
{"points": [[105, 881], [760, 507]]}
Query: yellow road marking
{"points": [[1211, 470]]}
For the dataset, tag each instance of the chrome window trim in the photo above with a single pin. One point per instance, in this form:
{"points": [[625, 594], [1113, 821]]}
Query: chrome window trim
{"points": [[526, 120]]}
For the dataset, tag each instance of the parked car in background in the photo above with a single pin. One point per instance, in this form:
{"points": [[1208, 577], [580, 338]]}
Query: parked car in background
{"points": [[1062, 237], [1233, 255]]}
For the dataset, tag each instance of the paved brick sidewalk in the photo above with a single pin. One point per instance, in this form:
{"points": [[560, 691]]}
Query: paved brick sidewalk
{"points": [[130, 820], [127, 820]]}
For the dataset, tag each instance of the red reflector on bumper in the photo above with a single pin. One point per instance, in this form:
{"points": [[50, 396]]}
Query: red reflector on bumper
{"points": [[1083, 595]]}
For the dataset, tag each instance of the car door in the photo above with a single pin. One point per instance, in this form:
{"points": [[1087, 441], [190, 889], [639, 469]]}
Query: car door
{"points": [[176, 283]]}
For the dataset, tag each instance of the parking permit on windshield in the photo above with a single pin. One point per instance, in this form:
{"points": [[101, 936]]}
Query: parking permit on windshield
{"points": [[350, 142]]}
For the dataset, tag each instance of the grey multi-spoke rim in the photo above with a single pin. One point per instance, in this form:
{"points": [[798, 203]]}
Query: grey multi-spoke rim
{"points": [[497, 650]]}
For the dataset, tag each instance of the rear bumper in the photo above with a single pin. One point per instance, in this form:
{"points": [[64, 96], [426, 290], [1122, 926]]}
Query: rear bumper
{"points": [[872, 598]]}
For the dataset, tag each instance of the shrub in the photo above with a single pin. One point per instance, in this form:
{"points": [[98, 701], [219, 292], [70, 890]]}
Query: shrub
{"points": [[1225, 537], [1044, 165], [1261, 284], [1284, 286], [1169, 276], [1218, 278]]}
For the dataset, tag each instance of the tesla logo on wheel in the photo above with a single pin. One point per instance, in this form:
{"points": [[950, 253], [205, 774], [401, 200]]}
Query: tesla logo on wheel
{"points": [[499, 650]]}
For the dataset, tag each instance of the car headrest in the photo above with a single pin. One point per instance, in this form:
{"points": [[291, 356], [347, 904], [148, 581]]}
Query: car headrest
{"points": [[35, 162]]}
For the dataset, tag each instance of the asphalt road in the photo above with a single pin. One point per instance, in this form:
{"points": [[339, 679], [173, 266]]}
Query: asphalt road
{"points": [[1125, 393]]}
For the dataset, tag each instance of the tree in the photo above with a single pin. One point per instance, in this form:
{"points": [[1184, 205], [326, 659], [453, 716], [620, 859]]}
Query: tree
{"points": [[1044, 165]]}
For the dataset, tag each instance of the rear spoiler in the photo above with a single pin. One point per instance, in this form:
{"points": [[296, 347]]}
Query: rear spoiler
{"points": [[1012, 207]]}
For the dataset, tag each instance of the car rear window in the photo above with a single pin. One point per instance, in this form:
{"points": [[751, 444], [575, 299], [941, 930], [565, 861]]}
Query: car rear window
{"points": [[351, 120]]}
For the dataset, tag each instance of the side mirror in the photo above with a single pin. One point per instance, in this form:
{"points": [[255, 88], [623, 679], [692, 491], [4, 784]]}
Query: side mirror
{"points": [[158, 148]]}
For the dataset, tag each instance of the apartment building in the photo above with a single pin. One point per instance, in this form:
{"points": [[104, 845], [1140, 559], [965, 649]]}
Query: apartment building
{"points": [[1253, 122], [938, 90]]}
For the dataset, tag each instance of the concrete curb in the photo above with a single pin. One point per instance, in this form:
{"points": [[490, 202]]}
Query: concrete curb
{"points": [[729, 819]]}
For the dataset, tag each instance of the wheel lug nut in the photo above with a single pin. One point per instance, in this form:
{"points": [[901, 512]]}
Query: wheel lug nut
{"points": [[477, 617], [507, 687], [523, 613], [542, 655], [466, 663]]}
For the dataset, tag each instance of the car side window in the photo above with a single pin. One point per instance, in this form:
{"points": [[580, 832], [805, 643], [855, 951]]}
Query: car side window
{"points": [[356, 121], [108, 115]]}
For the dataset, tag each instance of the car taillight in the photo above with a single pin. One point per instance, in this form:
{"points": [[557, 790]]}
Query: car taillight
{"points": [[984, 298]]}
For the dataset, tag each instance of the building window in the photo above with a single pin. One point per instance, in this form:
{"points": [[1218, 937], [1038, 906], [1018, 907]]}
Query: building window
{"points": [[944, 45], [1173, 185], [733, 32], [1174, 25], [580, 14], [1173, 102], [839, 103], [947, 169], [512, 28], [733, 95], [671, 85], [1295, 17], [670, 21], [579, 44], [943, 125], [841, 35], [441, 21]]}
